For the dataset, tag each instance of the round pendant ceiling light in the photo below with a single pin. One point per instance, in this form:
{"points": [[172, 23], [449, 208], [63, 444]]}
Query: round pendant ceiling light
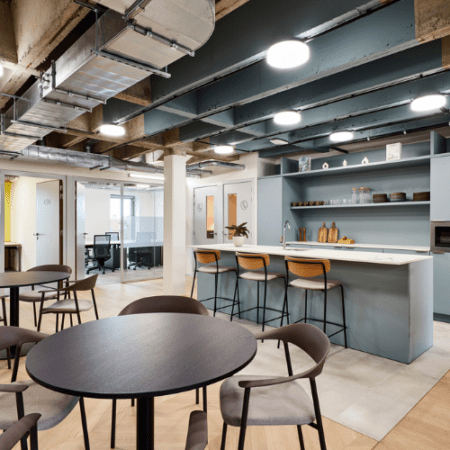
{"points": [[341, 136], [112, 130], [428, 102], [223, 149], [1, 70], [287, 118], [287, 54]]}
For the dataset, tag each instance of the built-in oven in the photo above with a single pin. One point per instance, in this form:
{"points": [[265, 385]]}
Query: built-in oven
{"points": [[440, 236]]}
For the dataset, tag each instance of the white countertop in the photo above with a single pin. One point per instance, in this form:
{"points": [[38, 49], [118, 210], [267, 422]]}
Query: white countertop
{"points": [[414, 248], [336, 255]]}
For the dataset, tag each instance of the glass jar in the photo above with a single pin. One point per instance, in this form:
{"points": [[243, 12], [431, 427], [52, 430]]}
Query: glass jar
{"points": [[354, 196], [361, 195], [367, 195]]}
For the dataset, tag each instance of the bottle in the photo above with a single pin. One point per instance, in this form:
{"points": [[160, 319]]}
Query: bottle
{"points": [[367, 195], [361, 195], [354, 196]]}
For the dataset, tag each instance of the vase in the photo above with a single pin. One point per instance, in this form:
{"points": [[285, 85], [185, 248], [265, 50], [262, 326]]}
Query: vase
{"points": [[238, 241]]}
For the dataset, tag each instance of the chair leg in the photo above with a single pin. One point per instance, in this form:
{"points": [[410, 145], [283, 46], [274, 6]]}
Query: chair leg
{"points": [[257, 303], [40, 318], [95, 304], [113, 423], [34, 313], [236, 293], [5, 318], [244, 419], [84, 424], [215, 294], [8, 357], [193, 284], [343, 316], [317, 413], [264, 307], [306, 305], [62, 321], [300, 437], [71, 320], [197, 396], [57, 322], [325, 311], [132, 402], [224, 436], [205, 399]]}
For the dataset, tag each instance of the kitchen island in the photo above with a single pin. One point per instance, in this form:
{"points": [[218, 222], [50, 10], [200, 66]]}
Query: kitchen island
{"points": [[388, 297]]}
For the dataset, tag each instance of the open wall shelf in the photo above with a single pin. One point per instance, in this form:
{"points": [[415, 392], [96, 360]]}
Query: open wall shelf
{"points": [[366, 205]]}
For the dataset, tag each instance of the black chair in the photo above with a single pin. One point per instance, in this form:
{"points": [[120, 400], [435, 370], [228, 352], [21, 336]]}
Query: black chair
{"points": [[102, 252]]}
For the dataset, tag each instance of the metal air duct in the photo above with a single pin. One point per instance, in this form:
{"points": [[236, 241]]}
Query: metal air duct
{"points": [[214, 162]]}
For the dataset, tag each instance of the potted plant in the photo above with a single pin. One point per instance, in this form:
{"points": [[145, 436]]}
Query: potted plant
{"points": [[240, 232]]}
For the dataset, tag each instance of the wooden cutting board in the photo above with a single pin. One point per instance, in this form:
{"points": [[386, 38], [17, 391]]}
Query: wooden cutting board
{"points": [[323, 232], [333, 234]]}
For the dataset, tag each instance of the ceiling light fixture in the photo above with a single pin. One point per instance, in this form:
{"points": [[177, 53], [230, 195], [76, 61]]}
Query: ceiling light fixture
{"points": [[278, 142], [112, 130], [287, 54], [287, 118], [428, 103], [151, 176], [341, 136], [223, 149], [1, 70]]}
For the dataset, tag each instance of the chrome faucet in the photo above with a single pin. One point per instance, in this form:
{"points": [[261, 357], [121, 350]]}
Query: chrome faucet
{"points": [[286, 224]]}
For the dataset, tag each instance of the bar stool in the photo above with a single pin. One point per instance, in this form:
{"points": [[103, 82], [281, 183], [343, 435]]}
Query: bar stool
{"points": [[305, 269], [210, 257], [254, 262]]}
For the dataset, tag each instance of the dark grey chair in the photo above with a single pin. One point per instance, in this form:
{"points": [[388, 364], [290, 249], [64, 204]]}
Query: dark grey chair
{"points": [[161, 304], [72, 305], [41, 293], [52, 405], [280, 400], [19, 431], [102, 252], [197, 437]]}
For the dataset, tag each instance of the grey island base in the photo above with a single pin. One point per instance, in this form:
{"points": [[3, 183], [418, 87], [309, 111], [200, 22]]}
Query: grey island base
{"points": [[388, 297]]}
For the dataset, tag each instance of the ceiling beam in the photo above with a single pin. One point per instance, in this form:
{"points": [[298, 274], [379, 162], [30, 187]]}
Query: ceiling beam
{"points": [[139, 94], [432, 19], [224, 7]]}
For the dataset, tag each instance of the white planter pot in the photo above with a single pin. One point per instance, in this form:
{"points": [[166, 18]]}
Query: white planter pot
{"points": [[238, 241]]}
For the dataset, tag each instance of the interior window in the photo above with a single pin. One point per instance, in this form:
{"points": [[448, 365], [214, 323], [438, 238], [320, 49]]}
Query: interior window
{"points": [[128, 210]]}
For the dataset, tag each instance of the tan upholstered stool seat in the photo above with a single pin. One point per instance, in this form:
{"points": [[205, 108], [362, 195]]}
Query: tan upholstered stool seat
{"points": [[213, 269], [313, 284], [258, 275], [36, 296], [53, 406], [69, 306], [282, 404]]}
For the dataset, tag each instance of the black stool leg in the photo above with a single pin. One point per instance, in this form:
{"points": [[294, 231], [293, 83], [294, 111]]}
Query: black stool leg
{"points": [[257, 303], [34, 312], [306, 305], [343, 315], [236, 292], [264, 306], [215, 293], [325, 311], [193, 283]]}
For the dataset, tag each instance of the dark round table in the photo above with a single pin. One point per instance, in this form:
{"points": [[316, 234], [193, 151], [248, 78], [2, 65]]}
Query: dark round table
{"points": [[15, 280], [141, 356]]}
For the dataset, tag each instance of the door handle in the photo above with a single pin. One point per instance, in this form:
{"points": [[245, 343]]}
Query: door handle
{"points": [[85, 234], [36, 234]]}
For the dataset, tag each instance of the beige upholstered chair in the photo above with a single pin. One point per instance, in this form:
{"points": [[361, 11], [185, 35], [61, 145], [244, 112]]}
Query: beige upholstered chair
{"points": [[255, 266], [308, 272], [41, 293], [257, 400], [72, 305], [52, 405], [161, 304], [19, 431], [210, 260]]}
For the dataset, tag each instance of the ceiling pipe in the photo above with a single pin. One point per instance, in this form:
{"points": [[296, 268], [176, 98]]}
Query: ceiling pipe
{"points": [[214, 162]]}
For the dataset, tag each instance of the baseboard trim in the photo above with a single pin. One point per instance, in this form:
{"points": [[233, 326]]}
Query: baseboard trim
{"points": [[441, 317]]}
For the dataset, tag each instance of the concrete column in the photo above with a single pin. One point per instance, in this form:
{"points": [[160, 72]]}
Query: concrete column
{"points": [[174, 225]]}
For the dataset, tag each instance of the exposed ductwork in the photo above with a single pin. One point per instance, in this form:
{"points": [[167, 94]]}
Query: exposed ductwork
{"points": [[122, 48], [38, 153], [214, 162]]}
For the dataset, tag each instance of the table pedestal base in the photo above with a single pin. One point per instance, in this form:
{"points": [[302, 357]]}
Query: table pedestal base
{"points": [[145, 424]]}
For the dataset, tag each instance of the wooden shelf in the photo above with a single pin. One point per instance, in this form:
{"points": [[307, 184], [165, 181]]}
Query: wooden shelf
{"points": [[366, 205]]}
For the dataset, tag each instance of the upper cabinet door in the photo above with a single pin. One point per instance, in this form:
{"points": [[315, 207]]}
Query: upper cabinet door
{"points": [[440, 188], [270, 220]]}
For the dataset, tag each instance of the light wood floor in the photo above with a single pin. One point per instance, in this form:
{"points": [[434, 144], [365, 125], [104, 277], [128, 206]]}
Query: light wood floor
{"points": [[426, 427]]}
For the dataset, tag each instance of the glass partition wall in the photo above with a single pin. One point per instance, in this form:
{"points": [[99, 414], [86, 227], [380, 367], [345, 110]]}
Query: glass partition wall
{"points": [[132, 214]]}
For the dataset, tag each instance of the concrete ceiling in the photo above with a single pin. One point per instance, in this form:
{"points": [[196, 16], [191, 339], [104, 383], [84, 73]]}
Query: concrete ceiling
{"points": [[369, 60]]}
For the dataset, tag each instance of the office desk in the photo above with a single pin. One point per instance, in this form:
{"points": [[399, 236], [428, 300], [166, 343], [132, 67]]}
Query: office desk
{"points": [[13, 253]]}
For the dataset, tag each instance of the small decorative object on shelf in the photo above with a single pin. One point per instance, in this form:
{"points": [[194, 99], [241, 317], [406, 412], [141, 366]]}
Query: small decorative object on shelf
{"points": [[393, 151], [304, 163], [323, 234], [345, 163], [333, 234], [397, 197], [240, 233], [380, 198], [346, 240], [365, 160], [302, 234], [421, 196], [354, 196], [325, 165]]}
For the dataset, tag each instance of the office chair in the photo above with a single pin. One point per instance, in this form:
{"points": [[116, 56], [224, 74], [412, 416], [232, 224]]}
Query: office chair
{"points": [[102, 252], [114, 235], [18, 432]]}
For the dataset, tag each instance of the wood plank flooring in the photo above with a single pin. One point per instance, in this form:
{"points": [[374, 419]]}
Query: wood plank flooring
{"points": [[426, 427]]}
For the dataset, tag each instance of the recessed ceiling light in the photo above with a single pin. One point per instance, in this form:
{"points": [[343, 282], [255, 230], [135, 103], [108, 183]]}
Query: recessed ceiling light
{"points": [[278, 142], [151, 176], [428, 102], [112, 130], [1, 70], [223, 149], [341, 136], [287, 118], [287, 54]]}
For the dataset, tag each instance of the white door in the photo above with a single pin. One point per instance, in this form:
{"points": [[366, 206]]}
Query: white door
{"points": [[237, 208], [47, 223], [208, 219], [80, 214]]}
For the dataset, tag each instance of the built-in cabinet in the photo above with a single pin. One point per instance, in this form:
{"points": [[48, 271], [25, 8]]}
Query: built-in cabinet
{"points": [[424, 166]]}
